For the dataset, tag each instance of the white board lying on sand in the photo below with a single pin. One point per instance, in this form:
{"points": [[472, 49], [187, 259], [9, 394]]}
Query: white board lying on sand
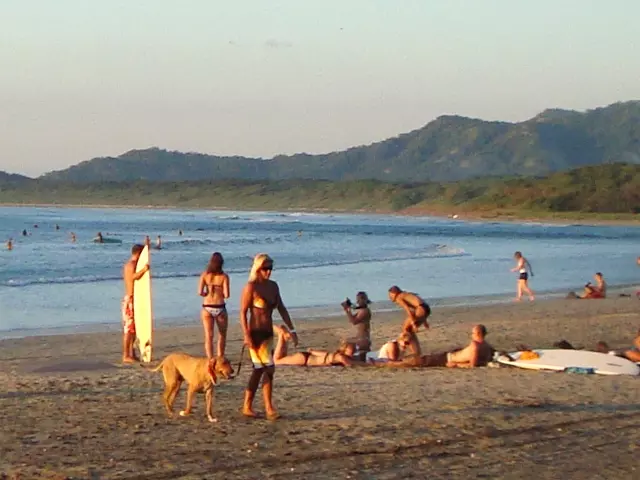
{"points": [[560, 360]]}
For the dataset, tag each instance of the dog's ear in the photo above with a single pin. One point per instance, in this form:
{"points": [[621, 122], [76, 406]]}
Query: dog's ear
{"points": [[212, 370]]}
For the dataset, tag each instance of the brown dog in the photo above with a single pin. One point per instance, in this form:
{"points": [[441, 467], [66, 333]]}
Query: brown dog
{"points": [[200, 374]]}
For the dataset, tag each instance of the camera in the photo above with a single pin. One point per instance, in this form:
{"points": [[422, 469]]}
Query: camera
{"points": [[347, 303]]}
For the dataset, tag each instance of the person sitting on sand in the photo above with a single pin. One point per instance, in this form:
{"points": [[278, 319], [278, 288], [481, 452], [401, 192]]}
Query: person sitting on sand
{"points": [[310, 358], [599, 290], [417, 309], [360, 317]]}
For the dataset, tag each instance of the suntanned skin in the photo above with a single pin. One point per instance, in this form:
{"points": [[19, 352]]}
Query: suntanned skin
{"points": [[214, 288], [599, 290], [130, 275], [317, 358], [200, 375], [412, 304], [634, 355], [260, 319], [361, 320], [523, 285], [477, 354]]}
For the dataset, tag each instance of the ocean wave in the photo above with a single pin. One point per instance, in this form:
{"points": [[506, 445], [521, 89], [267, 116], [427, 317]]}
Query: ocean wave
{"points": [[431, 251]]}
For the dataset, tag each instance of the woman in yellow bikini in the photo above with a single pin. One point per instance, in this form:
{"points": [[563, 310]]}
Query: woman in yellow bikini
{"points": [[214, 288], [260, 297]]}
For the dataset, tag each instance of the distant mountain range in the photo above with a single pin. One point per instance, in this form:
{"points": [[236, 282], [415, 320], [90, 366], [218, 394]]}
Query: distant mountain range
{"points": [[449, 148], [13, 178]]}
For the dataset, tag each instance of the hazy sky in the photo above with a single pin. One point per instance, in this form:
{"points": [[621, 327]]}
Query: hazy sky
{"points": [[87, 78]]}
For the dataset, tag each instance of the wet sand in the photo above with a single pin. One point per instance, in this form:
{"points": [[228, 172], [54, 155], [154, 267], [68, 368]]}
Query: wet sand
{"points": [[69, 410]]}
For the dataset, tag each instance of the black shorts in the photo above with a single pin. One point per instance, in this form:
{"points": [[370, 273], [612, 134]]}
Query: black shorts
{"points": [[524, 276]]}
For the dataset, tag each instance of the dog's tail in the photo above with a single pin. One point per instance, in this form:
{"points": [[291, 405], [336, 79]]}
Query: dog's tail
{"points": [[159, 367]]}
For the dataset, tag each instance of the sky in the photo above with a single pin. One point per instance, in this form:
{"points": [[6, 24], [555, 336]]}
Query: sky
{"points": [[82, 79]]}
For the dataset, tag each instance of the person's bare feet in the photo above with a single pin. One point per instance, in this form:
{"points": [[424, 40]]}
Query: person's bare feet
{"points": [[248, 412], [273, 415], [129, 360]]}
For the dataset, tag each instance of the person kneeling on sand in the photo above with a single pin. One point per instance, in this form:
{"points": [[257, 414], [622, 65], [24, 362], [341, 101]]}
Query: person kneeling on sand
{"points": [[477, 354], [310, 358]]}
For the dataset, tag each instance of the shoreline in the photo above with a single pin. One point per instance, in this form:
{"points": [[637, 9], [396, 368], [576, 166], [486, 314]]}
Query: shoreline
{"points": [[314, 313], [450, 213]]}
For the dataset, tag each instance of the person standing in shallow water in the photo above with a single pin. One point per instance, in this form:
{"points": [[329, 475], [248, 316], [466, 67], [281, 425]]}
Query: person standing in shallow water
{"points": [[523, 267], [214, 288], [260, 297]]}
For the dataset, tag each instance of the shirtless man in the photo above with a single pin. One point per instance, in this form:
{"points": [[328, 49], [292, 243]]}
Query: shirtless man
{"points": [[417, 309], [129, 328], [360, 317], [477, 354]]}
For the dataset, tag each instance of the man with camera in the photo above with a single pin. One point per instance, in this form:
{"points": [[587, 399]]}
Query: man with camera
{"points": [[360, 317]]}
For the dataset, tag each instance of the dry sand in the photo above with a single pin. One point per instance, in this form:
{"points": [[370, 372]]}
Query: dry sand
{"points": [[68, 410]]}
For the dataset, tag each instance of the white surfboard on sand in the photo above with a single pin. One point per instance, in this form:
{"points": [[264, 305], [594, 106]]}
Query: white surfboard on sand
{"points": [[560, 360], [143, 315]]}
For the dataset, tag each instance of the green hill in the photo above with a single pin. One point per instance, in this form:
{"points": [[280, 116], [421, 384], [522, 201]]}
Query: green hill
{"points": [[13, 178], [603, 189], [449, 148]]}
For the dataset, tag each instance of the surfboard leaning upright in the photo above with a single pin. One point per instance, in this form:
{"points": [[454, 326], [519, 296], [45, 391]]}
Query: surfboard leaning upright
{"points": [[142, 312]]}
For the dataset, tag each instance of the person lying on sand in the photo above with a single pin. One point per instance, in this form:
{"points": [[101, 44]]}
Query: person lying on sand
{"points": [[632, 353], [310, 358], [477, 354]]}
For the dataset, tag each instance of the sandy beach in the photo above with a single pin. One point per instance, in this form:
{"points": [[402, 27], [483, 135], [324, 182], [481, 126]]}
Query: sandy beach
{"points": [[69, 410]]}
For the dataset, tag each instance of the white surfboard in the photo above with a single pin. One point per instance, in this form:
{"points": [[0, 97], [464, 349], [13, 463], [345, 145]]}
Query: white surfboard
{"points": [[560, 360], [142, 312]]}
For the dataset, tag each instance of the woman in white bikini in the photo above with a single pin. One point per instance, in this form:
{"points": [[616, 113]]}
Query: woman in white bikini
{"points": [[523, 267], [214, 288]]}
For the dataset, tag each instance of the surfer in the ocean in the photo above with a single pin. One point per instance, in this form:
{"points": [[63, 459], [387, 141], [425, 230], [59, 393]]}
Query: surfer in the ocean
{"points": [[130, 275]]}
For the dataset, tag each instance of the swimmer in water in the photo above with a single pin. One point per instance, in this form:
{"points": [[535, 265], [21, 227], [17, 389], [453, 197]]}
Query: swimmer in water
{"points": [[73, 237], [10, 244], [158, 243]]}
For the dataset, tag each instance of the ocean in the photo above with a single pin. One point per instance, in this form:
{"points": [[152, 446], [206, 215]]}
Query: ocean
{"points": [[49, 284]]}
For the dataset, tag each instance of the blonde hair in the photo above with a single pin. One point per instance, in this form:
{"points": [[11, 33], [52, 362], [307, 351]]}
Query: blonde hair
{"points": [[258, 261]]}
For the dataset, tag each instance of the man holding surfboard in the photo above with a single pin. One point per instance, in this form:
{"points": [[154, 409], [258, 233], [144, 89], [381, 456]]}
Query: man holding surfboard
{"points": [[130, 275]]}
